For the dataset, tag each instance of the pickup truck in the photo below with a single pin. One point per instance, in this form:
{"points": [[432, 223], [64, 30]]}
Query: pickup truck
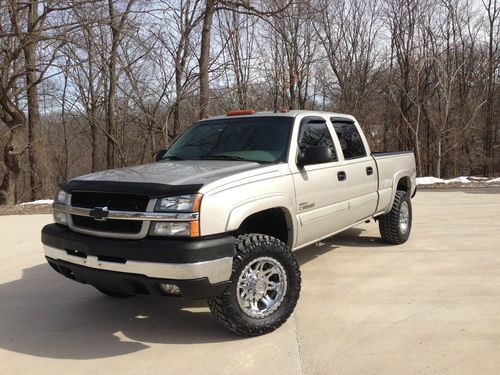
{"points": [[220, 212]]}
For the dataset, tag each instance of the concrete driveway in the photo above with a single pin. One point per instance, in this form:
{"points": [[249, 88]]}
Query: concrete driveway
{"points": [[431, 305]]}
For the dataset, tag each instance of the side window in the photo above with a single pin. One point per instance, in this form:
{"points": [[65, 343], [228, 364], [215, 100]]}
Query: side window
{"points": [[316, 134], [350, 140]]}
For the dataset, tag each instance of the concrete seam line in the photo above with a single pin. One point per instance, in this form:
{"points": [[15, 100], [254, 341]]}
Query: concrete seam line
{"points": [[299, 349]]}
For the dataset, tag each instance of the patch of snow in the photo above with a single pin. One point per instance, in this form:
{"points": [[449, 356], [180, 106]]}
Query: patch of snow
{"points": [[459, 180], [41, 201], [429, 180], [435, 180]]}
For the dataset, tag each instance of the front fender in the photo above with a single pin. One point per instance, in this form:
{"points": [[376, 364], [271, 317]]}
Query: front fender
{"points": [[249, 207]]}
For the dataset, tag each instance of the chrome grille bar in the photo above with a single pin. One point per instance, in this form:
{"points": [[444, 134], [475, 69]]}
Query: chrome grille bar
{"points": [[130, 215]]}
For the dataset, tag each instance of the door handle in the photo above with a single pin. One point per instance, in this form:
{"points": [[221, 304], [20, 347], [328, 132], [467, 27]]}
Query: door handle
{"points": [[342, 176], [369, 171]]}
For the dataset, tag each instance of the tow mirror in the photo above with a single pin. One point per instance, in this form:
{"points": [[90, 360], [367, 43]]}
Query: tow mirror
{"points": [[315, 155]]}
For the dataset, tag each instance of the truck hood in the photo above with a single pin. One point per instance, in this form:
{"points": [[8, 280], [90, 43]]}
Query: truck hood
{"points": [[184, 172]]}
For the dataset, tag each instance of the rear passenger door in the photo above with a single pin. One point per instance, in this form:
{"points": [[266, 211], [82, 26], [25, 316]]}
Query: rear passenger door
{"points": [[360, 169], [321, 200]]}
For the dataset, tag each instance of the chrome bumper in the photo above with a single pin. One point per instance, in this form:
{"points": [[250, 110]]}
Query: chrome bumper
{"points": [[218, 270]]}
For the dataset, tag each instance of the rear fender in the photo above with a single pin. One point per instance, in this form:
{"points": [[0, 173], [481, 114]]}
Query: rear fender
{"points": [[397, 177]]}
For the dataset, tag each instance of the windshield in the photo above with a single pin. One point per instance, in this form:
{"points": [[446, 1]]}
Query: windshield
{"points": [[258, 139]]}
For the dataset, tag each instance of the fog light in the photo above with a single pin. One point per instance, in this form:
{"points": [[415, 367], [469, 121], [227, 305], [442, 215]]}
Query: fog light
{"points": [[60, 217], [171, 289], [170, 228]]}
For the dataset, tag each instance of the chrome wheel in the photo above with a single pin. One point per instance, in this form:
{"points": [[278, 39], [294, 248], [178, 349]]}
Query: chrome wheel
{"points": [[404, 218], [261, 287]]}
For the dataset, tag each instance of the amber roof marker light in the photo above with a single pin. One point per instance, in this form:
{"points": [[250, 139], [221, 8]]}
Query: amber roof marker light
{"points": [[240, 112]]}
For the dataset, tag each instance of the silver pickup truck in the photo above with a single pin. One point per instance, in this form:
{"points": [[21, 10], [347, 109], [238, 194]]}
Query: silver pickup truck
{"points": [[219, 214]]}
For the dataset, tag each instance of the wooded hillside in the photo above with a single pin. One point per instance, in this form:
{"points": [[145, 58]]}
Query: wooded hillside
{"points": [[91, 85]]}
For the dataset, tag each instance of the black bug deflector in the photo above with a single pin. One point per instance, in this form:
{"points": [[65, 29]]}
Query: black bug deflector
{"points": [[152, 190]]}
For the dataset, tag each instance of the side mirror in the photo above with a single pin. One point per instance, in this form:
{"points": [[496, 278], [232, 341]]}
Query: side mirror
{"points": [[160, 154], [315, 155]]}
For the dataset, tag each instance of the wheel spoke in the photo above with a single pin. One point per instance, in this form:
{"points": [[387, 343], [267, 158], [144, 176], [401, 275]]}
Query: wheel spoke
{"points": [[257, 279], [268, 301], [253, 305], [270, 271], [271, 285]]}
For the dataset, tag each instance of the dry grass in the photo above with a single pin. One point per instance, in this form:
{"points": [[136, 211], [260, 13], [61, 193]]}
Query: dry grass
{"points": [[28, 209]]}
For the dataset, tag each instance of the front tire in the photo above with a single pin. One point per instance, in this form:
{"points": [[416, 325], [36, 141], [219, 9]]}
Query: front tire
{"points": [[263, 289], [395, 226]]}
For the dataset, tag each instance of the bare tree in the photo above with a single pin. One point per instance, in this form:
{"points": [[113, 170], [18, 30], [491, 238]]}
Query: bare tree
{"points": [[265, 9], [118, 79], [239, 30], [179, 42], [492, 8], [348, 32], [23, 26], [117, 24]]}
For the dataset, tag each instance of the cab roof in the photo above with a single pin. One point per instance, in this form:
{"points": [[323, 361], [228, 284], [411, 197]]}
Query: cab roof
{"points": [[291, 113]]}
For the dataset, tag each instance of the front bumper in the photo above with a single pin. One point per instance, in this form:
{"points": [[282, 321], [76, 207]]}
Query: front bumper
{"points": [[199, 267]]}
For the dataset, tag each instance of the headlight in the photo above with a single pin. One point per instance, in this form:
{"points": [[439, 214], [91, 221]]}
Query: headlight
{"points": [[61, 197], [181, 203]]}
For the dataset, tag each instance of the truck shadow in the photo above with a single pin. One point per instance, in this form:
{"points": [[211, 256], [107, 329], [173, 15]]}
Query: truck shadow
{"points": [[351, 238], [44, 315]]}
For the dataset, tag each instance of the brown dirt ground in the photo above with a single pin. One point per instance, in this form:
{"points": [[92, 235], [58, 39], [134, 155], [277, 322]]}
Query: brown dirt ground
{"points": [[28, 209], [471, 188]]}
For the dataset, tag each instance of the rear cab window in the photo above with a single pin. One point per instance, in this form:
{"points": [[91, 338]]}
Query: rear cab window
{"points": [[350, 140]]}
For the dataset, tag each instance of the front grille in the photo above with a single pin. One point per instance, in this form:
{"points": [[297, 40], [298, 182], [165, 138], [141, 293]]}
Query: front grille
{"points": [[110, 225], [114, 201]]}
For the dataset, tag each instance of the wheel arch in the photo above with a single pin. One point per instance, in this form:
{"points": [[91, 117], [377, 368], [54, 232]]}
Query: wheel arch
{"points": [[271, 215], [402, 181]]}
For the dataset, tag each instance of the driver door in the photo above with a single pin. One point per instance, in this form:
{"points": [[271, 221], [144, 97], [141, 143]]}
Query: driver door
{"points": [[321, 194]]}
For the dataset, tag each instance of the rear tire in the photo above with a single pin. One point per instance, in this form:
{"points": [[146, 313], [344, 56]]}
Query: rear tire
{"points": [[395, 226], [263, 289], [113, 294]]}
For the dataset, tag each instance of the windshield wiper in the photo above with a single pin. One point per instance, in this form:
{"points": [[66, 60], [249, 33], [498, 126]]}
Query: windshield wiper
{"points": [[174, 157], [225, 157], [231, 157]]}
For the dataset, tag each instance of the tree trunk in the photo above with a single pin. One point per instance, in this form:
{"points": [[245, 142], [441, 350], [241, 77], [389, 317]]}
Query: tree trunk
{"points": [[438, 159], [33, 106], [93, 100], [110, 108], [179, 71], [205, 59], [13, 152], [65, 168]]}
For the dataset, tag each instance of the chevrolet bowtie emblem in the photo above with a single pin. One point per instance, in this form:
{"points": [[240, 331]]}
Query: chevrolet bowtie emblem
{"points": [[99, 213]]}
